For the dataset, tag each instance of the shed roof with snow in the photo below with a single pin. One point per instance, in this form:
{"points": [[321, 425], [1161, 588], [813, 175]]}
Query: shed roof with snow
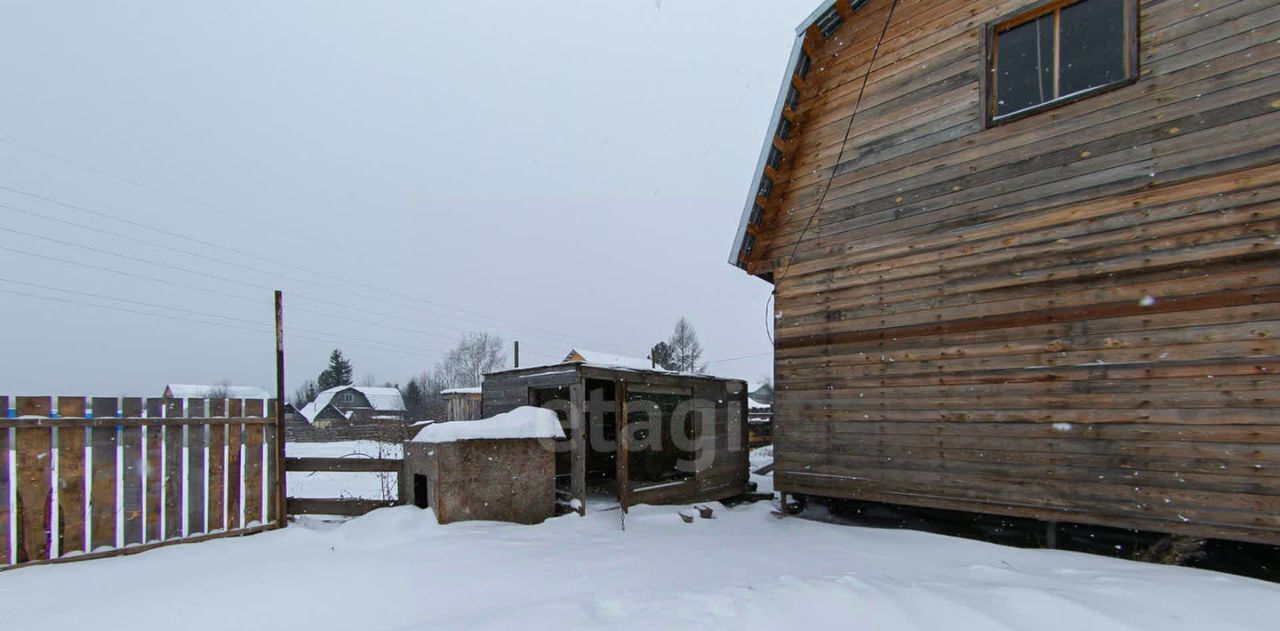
{"points": [[522, 422]]}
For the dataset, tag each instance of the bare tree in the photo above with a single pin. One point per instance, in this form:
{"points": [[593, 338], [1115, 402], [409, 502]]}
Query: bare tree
{"points": [[221, 390], [686, 350], [475, 355]]}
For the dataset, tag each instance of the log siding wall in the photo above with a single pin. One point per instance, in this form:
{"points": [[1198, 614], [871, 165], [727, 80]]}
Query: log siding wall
{"points": [[1072, 316]]}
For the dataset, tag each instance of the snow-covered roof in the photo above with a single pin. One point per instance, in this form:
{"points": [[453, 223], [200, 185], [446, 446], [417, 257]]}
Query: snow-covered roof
{"points": [[476, 390], [380, 399], [597, 358], [522, 422], [758, 405], [200, 391]]}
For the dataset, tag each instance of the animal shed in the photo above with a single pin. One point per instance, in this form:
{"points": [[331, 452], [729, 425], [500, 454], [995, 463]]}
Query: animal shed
{"points": [[686, 435]]}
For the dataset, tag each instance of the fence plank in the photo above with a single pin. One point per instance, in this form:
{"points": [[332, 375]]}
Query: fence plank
{"points": [[349, 507], [5, 558], [195, 478], [155, 407], [104, 407], [235, 408], [35, 491], [132, 470], [252, 474], [344, 465], [155, 482], [217, 476], [253, 408], [233, 474], [34, 406], [196, 408], [71, 443], [131, 407], [270, 476], [173, 480], [102, 497]]}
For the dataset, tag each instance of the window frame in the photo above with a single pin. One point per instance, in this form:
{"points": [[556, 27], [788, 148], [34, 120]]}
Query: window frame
{"points": [[991, 30]]}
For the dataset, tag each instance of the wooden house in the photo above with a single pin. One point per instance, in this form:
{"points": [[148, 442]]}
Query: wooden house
{"points": [[1025, 260], [686, 433]]}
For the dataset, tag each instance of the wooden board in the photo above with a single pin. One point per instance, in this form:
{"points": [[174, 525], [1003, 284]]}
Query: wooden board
{"points": [[234, 473], [217, 476], [154, 482], [196, 478], [71, 477], [253, 483], [271, 475], [345, 465], [133, 470], [35, 491], [173, 488], [349, 507], [102, 495], [5, 556]]}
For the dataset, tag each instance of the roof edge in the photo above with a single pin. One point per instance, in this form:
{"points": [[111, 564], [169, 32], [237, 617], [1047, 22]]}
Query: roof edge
{"points": [[796, 48]]}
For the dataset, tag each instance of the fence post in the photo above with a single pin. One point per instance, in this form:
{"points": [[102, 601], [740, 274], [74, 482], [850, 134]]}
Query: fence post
{"points": [[282, 512]]}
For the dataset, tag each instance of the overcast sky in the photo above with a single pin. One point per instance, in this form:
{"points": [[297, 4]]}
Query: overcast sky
{"points": [[566, 173]]}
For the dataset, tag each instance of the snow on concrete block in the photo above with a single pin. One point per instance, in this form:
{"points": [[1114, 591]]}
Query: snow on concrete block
{"points": [[522, 422]]}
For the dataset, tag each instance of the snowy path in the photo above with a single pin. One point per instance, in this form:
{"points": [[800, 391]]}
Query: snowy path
{"points": [[396, 569]]}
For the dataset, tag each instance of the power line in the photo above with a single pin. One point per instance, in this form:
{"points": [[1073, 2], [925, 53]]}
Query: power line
{"points": [[156, 189], [206, 243], [740, 359], [264, 329], [336, 336], [205, 275]]}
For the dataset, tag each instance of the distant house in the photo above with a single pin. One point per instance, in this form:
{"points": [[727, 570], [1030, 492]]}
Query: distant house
{"points": [[583, 356], [462, 404], [201, 391], [353, 404], [760, 413]]}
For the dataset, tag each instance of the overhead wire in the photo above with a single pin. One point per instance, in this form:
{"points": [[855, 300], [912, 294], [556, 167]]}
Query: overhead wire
{"points": [[256, 323], [209, 275], [204, 242]]}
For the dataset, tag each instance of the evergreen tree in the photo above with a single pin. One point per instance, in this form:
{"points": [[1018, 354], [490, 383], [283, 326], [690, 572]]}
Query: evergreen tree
{"points": [[662, 356], [686, 350], [339, 372], [414, 400]]}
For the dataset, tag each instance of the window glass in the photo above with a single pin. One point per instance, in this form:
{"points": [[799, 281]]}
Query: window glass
{"points": [[1092, 45], [1024, 63], [1058, 52]]}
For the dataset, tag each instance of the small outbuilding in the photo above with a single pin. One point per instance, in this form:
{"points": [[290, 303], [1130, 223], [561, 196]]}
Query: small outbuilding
{"points": [[498, 469], [684, 435], [461, 404]]}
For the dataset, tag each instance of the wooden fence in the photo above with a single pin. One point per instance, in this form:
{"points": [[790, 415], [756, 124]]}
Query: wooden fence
{"points": [[84, 477]]}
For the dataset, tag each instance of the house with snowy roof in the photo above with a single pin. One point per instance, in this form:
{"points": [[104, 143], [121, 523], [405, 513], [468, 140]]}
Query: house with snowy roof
{"points": [[348, 405]]}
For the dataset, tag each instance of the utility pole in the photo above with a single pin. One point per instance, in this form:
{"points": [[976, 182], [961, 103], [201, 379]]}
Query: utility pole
{"points": [[282, 494]]}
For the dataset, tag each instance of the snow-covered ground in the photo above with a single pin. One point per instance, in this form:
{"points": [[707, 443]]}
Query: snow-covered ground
{"points": [[745, 568], [331, 485]]}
